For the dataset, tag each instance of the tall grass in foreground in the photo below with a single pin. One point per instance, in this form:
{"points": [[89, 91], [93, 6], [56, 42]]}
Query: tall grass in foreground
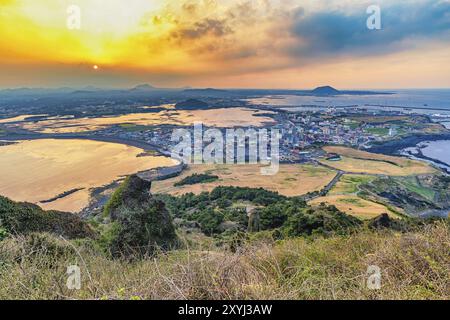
{"points": [[414, 265]]}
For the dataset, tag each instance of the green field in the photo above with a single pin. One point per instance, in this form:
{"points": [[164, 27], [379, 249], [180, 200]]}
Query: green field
{"points": [[378, 131], [349, 184], [413, 185]]}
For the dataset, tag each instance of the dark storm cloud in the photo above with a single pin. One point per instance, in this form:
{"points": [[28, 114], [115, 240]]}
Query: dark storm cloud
{"points": [[214, 27], [339, 32]]}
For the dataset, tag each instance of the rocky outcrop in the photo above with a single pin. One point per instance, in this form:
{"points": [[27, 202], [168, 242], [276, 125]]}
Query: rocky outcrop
{"points": [[381, 222], [134, 191], [142, 225], [254, 220]]}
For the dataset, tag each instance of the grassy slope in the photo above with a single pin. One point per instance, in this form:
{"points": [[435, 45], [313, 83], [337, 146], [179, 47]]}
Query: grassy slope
{"points": [[349, 184], [413, 186], [413, 265], [344, 195], [355, 206]]}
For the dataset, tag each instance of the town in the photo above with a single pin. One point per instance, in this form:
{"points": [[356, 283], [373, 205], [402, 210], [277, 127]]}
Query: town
{"points": [[303, 134]]}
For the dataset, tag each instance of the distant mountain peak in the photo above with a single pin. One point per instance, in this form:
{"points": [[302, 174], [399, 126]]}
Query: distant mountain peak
{"points": [[205, 90], [325, 91]]}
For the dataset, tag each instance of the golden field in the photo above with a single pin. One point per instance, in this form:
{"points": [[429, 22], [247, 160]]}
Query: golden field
{"points": [[357, 161], [291, 180], [344, 195], [354, 205]]}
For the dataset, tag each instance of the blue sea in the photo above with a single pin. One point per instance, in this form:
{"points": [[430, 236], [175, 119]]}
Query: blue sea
{"points": [[429, 101], [437, 150]]}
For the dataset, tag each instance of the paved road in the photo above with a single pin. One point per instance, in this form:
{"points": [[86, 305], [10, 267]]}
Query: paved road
{"points": [[336, 179]]}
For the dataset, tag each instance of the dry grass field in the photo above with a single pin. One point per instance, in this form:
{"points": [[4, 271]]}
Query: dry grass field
{"points": [[414, 265], [357, 161], [354, 205], [344, 195], [349, 184], [291, 180]]}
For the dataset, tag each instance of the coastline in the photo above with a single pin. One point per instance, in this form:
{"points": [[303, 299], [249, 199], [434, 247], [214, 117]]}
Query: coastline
{"points": [[399, 148], [418, 155], [393, 147]]}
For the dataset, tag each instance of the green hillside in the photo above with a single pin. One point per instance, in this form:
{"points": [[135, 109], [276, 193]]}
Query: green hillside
{"points": [[231, 243]]}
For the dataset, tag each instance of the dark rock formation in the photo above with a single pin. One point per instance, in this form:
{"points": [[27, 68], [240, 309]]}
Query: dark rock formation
{"points": [[381, 222], [254, 220], [132, 192], [142, 224]]}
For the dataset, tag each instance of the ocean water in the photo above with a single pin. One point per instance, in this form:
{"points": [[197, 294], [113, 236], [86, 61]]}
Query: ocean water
{"points": [[439, 150], [446, 124], [431, 101]]}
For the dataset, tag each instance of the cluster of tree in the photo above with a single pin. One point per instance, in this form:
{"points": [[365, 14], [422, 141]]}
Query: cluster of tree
{"points": [[26, 218], [196, 178], [291, 216]]}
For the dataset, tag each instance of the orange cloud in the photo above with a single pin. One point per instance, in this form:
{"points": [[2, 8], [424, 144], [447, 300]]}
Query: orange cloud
{"points": [[218, 42]]}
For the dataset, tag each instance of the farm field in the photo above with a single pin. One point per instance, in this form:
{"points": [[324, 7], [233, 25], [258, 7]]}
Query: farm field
{"points": [[291, 180], [381, 119], [349, 183], [357, 161], [344, 195], [354, 205]]}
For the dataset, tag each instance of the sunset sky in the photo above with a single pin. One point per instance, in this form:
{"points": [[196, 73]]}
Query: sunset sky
{"points": [[225, 43]]}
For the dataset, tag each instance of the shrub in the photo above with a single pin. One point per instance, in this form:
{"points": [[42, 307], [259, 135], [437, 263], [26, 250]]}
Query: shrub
{"points": [[25, 218], [322, 220], [197, 178], [3, 233], [142, 230]]}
